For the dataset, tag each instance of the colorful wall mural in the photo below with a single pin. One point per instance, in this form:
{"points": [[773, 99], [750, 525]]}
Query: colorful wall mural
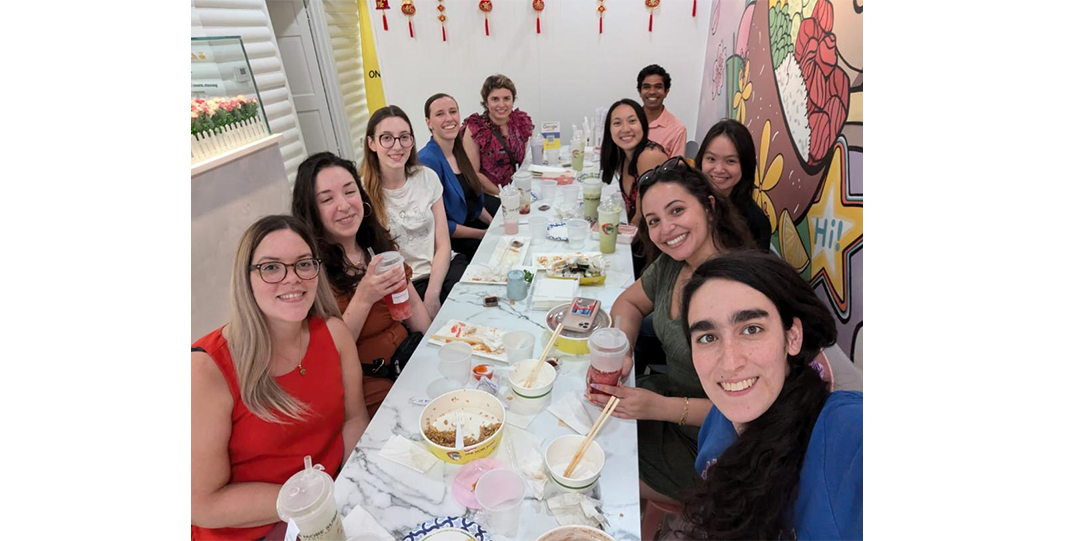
{"points": [[792, 72]]}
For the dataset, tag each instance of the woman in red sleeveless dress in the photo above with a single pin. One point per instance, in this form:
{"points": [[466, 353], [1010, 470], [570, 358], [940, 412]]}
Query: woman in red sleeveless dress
{"points": [[279, 382]]}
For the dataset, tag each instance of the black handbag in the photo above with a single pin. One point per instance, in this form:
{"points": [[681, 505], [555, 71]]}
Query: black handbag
{"points": [[391, 368]]}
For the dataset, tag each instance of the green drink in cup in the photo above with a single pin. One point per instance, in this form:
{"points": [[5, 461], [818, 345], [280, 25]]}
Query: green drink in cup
{"points": [[609, 216], [592, 195]]}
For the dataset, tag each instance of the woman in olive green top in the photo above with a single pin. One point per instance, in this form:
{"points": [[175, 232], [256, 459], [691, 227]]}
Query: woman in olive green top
{"points": [[686, 219]]}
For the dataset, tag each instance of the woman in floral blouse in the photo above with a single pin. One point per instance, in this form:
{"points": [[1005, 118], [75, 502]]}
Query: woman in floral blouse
{"points": [[496, 140]]}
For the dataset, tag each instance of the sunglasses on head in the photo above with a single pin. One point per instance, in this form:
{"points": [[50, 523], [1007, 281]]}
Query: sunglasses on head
{"points": [[649, 177]]}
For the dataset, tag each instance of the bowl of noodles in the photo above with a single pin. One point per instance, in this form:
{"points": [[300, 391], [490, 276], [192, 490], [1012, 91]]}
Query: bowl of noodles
{"points": [[482, 417]]}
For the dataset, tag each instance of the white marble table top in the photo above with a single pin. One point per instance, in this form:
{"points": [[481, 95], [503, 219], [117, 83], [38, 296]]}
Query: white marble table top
{"points": [[400, 498]]}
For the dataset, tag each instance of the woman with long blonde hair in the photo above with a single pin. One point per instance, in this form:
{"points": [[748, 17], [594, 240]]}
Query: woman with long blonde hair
{"points": [[408, 200], [281, 380]]}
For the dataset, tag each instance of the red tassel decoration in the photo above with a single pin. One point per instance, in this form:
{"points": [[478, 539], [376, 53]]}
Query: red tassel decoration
{"points": [[411, 29], [486, 26], [599, 25], [650, 21], [384, 26], [694, 8], [539, 25], [444, 33]]}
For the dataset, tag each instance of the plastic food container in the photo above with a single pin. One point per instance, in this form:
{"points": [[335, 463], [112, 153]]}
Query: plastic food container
{"points": [[471, 404], [572, 341]]}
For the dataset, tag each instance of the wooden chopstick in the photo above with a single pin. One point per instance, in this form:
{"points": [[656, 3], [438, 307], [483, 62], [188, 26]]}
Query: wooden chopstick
{"points": [[544, 354], [610, 406]]}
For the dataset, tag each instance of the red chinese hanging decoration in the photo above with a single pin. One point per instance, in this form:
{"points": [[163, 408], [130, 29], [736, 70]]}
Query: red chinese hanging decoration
{"points": [[694, 8], [409, 10], [485, 6], [651, 5], [442, 18], [383, 5], [601, 12], [539, 6]]}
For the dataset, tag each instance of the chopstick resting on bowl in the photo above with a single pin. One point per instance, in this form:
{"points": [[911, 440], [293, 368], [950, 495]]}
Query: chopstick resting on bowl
{"points": [[529, 383], [610, 406]]}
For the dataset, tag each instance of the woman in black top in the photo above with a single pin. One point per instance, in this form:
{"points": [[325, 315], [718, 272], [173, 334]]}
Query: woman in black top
{"points": [[728, 158]]}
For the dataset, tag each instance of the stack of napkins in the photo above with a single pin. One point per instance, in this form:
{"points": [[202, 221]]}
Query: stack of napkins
{"points": [[519, 449], [407, 453], [569, 408], [549, 292], [360, 523], [572, 508]]}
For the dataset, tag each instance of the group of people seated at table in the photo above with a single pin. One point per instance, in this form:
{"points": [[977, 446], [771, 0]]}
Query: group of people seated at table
{"points": [[740, 430]]}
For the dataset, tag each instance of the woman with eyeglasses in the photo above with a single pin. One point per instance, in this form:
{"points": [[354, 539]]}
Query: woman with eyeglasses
{"points": [[496, 140], [688, 222], [779, 455], [278, 382], [408, 200], [329, 197], [463, 194], [627, 152], [729, 159]]}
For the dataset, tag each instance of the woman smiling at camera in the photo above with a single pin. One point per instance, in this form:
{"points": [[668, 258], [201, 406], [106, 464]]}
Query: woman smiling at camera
{"points": [[727, 156], [690, 223], [781, 456], [329, 197], [496, 140], [463, 195], [627, 152], [408, 200], [279, 381]]}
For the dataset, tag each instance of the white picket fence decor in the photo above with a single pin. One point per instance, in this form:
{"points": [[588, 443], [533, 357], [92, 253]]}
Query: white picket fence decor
{"points": [[208, 144]]}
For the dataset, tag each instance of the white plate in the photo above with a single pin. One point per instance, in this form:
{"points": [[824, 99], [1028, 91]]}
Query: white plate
{"points": [[537, 264], [448, 529], [488, 274], [557, 231], [506, 255], [457, 327]]}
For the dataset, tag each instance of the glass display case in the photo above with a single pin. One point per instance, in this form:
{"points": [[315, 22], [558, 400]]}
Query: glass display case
{"points": [[225, 106]]}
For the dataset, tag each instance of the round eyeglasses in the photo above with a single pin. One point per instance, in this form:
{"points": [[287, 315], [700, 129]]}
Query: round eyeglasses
{"points": [[387, 140], [274, 272]]}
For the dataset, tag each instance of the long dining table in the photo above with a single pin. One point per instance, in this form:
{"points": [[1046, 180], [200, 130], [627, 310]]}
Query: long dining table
{"points": [[400, 498]]}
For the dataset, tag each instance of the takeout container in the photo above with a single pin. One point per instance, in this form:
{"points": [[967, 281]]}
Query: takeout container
{"points": [[559, 454], [543, 384], [583, 280], [572, 341], [466, 399], [575, 532]]}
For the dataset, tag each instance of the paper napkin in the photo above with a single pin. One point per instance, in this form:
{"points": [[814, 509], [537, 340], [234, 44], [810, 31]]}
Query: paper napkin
{"points": [[572, 508], [569, 408], [519, 449], [549, 292], [360, 522], [407, 453]]}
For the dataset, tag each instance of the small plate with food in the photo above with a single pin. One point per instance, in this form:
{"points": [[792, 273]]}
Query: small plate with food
{"points": [[587, 267], [510, 251], [487, 342]]}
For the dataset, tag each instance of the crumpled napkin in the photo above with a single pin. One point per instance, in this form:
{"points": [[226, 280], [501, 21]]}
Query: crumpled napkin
{"points": [[573, 508], [519, 449], [361, 522], [569, 408], [407, 453]]}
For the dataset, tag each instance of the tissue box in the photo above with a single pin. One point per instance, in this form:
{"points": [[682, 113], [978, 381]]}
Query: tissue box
{"points": [[549, 292]]}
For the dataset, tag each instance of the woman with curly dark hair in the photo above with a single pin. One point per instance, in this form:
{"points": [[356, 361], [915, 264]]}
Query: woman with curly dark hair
{"points": [[781, 456]]}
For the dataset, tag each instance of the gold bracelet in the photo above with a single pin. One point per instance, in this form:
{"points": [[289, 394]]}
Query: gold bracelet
{"points": [[684, 413]]}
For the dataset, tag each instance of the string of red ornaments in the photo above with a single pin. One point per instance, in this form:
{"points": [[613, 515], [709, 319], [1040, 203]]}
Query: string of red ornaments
{"points": [[442, 18], [601, 12], [409, 10], [539, 6], [382, 6]]}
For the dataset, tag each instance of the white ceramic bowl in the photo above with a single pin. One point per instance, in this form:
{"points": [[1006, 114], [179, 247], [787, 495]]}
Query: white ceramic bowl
{"points": [[575, 533], [543, 384], [559, 454]]}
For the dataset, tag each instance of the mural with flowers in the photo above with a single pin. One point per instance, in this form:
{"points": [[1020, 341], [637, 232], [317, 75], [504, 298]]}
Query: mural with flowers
{"points": [[792, 72]]}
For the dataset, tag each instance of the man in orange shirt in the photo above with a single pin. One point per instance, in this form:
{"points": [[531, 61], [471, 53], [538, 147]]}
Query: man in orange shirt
{"points": [[653, 84]]}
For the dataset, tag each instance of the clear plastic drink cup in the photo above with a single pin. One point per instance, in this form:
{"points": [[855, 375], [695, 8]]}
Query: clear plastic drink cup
{"points": [[537, 148], [398, 301], [578, 230], [307, 499], [608, 347], [510, 223], [592, 196], [609, 215]]}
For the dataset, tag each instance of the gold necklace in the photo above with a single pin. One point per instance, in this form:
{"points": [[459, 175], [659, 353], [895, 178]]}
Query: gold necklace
{"points": [[299, 365]]}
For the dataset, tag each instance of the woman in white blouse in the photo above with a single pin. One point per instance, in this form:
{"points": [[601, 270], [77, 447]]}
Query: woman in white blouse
{"points": [[408, 199]]}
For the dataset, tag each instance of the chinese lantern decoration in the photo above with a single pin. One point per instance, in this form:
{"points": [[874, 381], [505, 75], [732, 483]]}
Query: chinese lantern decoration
{"points": [[539, 6], [601, 12], [442, 18], [651, 5], [383, 5], [409, 10], [485, 6]]}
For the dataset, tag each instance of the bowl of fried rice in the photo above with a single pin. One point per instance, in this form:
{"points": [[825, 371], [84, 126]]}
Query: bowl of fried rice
{"points": [[482, 417]]}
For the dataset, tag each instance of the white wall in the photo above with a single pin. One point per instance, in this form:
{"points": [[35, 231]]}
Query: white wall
{"points": [[561, 74]]}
